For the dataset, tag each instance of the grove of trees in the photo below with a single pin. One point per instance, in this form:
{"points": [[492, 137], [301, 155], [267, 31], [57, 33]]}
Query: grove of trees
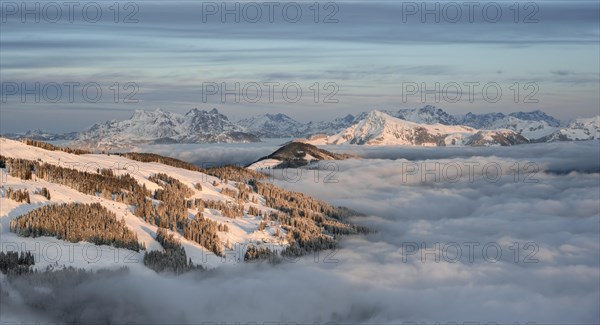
{"points": [[51, 147], [310, 224], [172, 259], [76, 222], [18, 195], [13, 263]]}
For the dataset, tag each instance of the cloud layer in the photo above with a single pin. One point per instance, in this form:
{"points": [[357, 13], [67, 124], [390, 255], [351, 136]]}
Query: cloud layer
{"points": [[379, 278]]}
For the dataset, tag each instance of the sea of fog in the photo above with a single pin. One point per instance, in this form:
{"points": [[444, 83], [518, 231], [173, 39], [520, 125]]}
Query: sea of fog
{"points": [[504, 235]]}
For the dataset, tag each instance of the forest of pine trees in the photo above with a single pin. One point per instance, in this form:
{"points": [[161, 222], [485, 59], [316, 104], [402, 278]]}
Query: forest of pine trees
{"points": [[172, 259], [150, 157], [123, 186], [204, 232], [13, 263], [171, 186], [43, 192], [18, 195], [235, 173], [310, 224], [229, 192], [51, 147], [76, 222], [228, 172], [172, 212], [258, 253], [228, 209]]}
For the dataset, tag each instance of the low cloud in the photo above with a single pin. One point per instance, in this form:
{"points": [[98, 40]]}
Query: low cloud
{"points": [[553, 279]]}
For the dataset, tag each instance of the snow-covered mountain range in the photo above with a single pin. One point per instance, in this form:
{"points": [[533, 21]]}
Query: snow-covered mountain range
{"points": [[536, 126], [42, 135], [426, 115], [533, 125], [144, 127], [381, 128], [282, 126], [199, 126], [273, 126], [578, 129]]}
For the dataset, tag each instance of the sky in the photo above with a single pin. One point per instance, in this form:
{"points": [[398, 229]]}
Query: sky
{"points": [[360, 55]]}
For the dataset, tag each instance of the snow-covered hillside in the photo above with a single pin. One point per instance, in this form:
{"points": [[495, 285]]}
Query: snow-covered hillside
{"points": [[144, 127], [198, 126], [241, 230], [380, 128]]}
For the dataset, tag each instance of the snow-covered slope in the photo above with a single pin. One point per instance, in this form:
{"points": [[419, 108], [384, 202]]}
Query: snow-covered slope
{"points": [[242, 230], [196, 126], [42, 135], [379, 128]]}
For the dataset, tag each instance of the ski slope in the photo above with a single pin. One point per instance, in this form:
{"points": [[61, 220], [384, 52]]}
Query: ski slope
{"points": [[242, 231]]}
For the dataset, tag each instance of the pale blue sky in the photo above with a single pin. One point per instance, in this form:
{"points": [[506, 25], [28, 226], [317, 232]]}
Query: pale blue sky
{"points": [[369, 53]]}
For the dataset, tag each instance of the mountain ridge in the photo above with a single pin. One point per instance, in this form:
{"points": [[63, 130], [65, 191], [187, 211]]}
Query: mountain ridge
{"points": [[159, 126], [381, 128], [200, 126]]}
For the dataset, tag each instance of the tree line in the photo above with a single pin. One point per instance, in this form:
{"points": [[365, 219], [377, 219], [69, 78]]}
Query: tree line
{"points": [[172, 213], [258, 253], [310, 224], [91, 183], [75, 222], [235, 173], [150, 157], [43, 192], [172, 259], [51, 147], [204, 232], [21, 195], [13, 263]]}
